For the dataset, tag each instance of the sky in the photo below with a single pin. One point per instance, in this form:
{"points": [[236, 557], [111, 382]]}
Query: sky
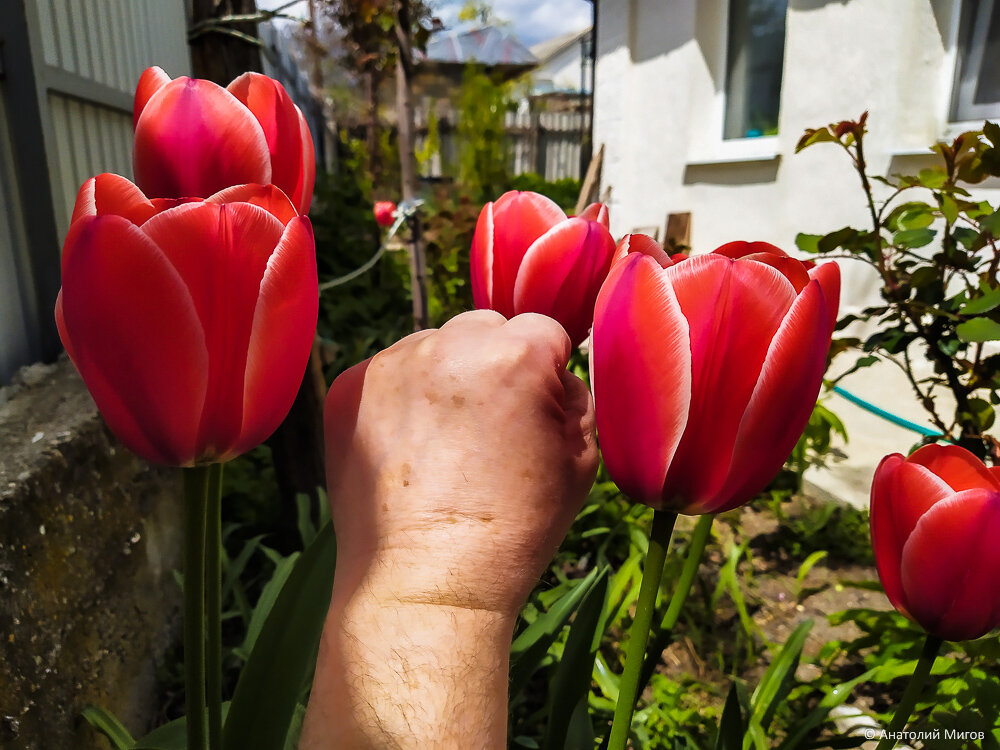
{"points": [[532, 21]]}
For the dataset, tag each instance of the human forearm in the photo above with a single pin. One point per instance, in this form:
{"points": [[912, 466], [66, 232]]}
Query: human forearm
{"points": [[398, 675]]}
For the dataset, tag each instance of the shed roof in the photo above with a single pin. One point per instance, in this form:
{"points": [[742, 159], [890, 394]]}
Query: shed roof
{"points": [[488, 45]]}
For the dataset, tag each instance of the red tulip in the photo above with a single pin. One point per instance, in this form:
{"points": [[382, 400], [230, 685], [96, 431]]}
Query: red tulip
{"points": [[190, 321], [705, 370], [528, 257], [385, 213], [935, 525], [194, 138]]}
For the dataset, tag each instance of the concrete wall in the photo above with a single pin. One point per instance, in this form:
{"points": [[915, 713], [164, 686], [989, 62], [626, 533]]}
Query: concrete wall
{"points": [[89, 539]]}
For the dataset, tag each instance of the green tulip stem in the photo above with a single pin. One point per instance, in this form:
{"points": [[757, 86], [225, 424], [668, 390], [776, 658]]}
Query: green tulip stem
{"points": [[652, 573], [213, 586], [196, 481], [905, 708], [664, 634]]}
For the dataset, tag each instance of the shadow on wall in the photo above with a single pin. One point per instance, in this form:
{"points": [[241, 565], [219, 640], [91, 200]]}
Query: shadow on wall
{"points": [[647, 30], [733, 173]]}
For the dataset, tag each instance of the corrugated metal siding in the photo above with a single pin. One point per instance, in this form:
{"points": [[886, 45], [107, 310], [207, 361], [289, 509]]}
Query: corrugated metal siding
{"points": [[15, 331], [113, 41], [89, 139], [86, 56]]}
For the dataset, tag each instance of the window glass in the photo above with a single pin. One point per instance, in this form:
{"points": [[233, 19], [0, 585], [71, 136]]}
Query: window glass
{"points": [[754, 60], [976, 93]]}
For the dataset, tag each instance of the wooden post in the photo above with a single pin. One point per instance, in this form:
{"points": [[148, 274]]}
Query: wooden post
{"points": [[408, 165], [591, 183], [677, 237], [222, 57]]}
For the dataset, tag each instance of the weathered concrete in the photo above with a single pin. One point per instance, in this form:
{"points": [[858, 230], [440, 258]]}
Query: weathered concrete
{"points": [[89, 537]]}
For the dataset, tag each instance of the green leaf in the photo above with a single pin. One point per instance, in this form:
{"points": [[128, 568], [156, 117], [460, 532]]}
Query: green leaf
{"points": [[834, 697], [978, 329], [573, 675], [731, 730], [916, 218], [949, 208], [808, 243], [303, 515], [811, 137], [777, 680], [172, 735], [932, 177], [913, 238], [981, 304], [108, 724], [531, 646], [807, 565], [284, 654], [991, 224], [840, 238], [268, 595]]}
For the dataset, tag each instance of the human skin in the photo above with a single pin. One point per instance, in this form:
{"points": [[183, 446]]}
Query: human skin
{"points": [[456, 461]]}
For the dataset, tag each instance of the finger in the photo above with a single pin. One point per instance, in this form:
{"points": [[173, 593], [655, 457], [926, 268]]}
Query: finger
{"points": [[485, 318], [542, 331], [340, 412]]}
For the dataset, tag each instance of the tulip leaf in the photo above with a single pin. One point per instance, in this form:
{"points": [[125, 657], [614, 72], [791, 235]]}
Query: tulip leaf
{"points": [[777, 680], [108, 724], [978, 329], [283, 656], [731, 724], [172, 735], [531, 646], [574, 674], [834, 697]]}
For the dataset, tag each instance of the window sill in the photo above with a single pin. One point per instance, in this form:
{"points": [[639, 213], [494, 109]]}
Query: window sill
{"points": [[761, 150]]}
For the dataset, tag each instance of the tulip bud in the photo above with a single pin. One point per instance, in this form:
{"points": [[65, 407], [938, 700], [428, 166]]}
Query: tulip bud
{"points": [[527, 256], [935, 526], [705, 370], [190, 322], [385, 213], [194, 138]]}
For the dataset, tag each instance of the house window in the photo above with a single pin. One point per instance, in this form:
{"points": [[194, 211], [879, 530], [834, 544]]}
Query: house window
{"points": [[754, 59], [976, 93]]}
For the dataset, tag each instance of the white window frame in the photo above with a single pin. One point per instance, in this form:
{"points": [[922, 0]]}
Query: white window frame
{"points": [[732, 150], [953, 127]]}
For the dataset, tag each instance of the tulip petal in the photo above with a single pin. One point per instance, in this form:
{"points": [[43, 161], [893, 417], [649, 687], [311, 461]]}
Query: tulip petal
{"points": [[956, 466], [481, 261], [194, 138], [734, 309], [742, 248], [597, 212], [642, 243], [221, 252], [281, 122], [828, 276], [152, 80], [519, 218], [268, 197], [562, 273], [949, 566], [307, 175], [129, 323], [112, 194], [782, 399], [887, 544], [641, 376], [284, 325]]}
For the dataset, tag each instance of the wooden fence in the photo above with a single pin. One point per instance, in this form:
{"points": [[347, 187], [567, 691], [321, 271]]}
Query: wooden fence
{"points": [[546, 143]]}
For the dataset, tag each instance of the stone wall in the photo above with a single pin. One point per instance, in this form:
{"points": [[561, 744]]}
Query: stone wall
{"points": [[89, 539]]}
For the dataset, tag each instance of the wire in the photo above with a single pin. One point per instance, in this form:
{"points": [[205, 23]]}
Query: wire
{"points": [[403, 212]]}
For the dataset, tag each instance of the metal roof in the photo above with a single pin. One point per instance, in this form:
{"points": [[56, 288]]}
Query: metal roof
{"points": [[488, 46]]}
